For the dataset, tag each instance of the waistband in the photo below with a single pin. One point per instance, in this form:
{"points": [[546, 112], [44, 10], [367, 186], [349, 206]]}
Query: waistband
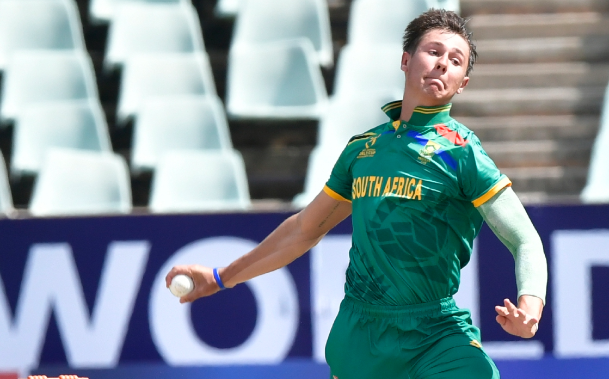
{"points": [[431, 309]]}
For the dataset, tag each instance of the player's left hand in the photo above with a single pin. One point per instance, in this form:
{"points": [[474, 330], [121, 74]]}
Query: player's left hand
{"points": [[515, 320]]}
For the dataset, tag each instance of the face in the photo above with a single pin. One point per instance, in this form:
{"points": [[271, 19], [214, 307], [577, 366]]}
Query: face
{"points": [[436, 71]]}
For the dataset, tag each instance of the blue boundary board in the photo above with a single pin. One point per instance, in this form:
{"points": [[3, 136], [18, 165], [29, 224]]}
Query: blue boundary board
{"points": [[548, 367]]}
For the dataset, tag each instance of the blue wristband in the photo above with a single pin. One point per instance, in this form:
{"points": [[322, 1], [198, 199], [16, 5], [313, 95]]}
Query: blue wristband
{"points": [[218, 280]]}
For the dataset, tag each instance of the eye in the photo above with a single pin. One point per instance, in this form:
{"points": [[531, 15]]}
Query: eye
{"points": [[456, 62], [433, 52]]}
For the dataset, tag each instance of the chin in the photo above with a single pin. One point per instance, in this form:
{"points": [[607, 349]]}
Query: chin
{"points": [[436, 99]]}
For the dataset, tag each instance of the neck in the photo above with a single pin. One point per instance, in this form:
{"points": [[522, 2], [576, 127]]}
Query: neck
{"points": [[410, 102], [408, 106]]}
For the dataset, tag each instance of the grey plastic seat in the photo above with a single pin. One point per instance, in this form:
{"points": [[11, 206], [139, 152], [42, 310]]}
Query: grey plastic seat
{"points": [[262, 21], [77, 182], [374, 22], [38, 24], [77, 124], [362, 69], [227, 8], [102, 11], [149, 75], [199, 181], [6, 200], [35, 76], [178, 123], [276, 80], [152, 28], [449, 5]]}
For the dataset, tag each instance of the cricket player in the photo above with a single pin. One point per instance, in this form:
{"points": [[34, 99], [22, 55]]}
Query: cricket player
{"points": [[418, 188]]}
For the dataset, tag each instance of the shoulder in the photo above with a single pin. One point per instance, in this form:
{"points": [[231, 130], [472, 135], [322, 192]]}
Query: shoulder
{"points": [[457, 133], [369, 133], [360, 142], [458, 138]]}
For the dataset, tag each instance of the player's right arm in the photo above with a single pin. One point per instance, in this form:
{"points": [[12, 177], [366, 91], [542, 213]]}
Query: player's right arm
{"points": [[292, 238]]}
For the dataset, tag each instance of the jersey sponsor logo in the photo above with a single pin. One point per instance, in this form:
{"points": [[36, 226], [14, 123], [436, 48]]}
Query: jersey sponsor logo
{"points": [[428, 151], [377, 186]]}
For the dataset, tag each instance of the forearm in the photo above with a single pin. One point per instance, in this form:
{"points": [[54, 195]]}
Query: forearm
{"points": [[531, 270], [281, 247], [294, 237], [508, 219], [532, 305]]}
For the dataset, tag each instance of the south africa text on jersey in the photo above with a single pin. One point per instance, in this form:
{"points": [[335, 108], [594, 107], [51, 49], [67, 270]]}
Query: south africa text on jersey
{"points": [[375, 186]]}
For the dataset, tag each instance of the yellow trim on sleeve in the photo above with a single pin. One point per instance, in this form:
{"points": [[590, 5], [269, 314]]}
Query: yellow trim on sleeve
{"points": [[505, 182], [334, 195]]}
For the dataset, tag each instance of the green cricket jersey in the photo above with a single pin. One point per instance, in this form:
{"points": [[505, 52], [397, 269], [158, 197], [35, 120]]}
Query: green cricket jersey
{"points": [[414, 188]]}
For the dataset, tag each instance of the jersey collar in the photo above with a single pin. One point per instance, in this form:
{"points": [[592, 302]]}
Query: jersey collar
{"points": [[421, 115]]}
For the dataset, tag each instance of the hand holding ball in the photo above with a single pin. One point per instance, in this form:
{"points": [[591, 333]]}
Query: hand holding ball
{"points": [[181, 285]]}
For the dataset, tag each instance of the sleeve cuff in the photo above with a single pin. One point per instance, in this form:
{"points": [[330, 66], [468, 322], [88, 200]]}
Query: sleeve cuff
{"points": [[504, 182], [334, 195]]}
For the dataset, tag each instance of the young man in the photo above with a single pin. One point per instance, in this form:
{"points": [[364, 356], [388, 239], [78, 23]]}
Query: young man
{"points": [[418, 188]]}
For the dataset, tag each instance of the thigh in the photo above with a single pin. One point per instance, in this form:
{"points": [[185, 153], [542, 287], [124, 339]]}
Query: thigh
{"points": [[360, 348], [456, 356]]}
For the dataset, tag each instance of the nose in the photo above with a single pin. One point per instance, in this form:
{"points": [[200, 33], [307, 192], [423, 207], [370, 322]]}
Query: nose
{"points": [[442, 63]]}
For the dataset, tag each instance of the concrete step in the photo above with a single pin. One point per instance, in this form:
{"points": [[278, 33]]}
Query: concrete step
{"points": [[543, 154], [522, 75], [550, 49], [521, 128], [471, 7], [496, 26], [529, 101], [556, 179]]}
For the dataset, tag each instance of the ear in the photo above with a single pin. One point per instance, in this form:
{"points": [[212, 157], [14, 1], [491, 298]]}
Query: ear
{"points": [[463, 84], [405, 60]]}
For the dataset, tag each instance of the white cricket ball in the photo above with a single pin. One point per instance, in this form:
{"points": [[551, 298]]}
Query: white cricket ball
{"points": [[181, 285]]}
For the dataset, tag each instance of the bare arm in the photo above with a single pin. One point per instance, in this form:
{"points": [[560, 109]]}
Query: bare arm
{"points": [[292, 238]]}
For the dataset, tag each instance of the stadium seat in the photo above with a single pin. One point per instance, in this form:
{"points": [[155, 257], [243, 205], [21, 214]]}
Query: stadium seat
{"points": [[227, 8], [374, 22], [178, 123], [77, 182], [6, 200], [262, 21], [321, 162], [449, 5], [77, 124], [349, 116], [152, 28], [149, 75], [275, 80], [194, 181], [597, 185], [102, 11], [36, 76], [38, 24], [372, 68]]}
